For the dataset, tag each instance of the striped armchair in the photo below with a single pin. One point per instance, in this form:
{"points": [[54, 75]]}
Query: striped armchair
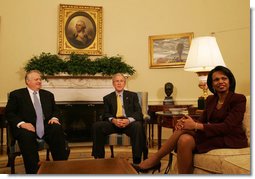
{"points": [[123, 139]]}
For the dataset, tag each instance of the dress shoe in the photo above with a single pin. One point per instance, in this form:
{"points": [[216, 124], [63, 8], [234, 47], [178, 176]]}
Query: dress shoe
{"points": [[146, 170], [137, 160]]}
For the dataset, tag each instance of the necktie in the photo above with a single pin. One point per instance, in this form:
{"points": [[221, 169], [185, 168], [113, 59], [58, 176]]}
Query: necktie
{"points": [[39, 116], [119, 107]]}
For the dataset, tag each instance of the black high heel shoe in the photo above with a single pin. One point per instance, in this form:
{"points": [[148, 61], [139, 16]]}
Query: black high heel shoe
{"points": [[146, 170]]}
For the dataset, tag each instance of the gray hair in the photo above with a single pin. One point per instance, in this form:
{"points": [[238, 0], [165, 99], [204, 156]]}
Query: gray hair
{"points": [[118, 74], [29, 72]]}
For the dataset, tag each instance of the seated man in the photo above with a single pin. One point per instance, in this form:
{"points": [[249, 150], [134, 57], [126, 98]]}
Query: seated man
{"points": [[33, 116], [124, 116]]}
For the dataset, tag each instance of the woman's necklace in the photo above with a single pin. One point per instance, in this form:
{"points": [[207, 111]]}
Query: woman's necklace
{"points": [[219, 102]]}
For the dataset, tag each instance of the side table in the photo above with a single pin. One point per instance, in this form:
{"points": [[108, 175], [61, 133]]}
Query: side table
{"points": [[164, 120], [152, 109], [168, 120]]}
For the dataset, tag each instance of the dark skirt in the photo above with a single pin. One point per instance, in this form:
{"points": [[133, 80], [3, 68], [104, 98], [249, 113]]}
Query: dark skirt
{"points": [[205, 144]]}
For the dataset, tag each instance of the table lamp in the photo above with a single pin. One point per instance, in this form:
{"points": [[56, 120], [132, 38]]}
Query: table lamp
{"points": [[204, 54]]}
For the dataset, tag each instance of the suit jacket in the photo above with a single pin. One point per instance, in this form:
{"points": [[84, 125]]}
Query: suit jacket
{"points": [[20, 107], [131, 105], [230, 124]]}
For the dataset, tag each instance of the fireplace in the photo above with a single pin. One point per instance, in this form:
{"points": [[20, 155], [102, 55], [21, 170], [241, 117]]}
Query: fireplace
{"points": [[77, 119], [80, 99]]}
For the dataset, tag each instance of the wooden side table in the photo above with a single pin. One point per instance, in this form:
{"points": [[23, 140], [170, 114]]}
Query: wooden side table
{"points": [[153, 120], [163, 120], [168, 120]]}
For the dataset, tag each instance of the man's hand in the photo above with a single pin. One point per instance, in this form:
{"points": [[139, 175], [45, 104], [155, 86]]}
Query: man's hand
{"points": [[121, 123], [54, 121], [28, 126]]}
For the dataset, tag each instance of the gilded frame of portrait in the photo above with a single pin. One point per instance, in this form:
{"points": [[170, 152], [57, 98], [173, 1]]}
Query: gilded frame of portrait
{"points": [[169, 51], [80, 29]]}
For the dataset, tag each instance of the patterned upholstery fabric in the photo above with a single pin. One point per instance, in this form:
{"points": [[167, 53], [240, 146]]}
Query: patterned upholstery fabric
{"points": [[123, 139], [118, 139], [223, 161]]}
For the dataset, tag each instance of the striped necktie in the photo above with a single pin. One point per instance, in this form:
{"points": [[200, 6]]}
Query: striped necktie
{"points": [[39, 116], [119, 107]]}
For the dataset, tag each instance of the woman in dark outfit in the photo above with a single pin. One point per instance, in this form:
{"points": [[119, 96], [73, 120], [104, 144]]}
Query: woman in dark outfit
{"points": [[220, 125]]}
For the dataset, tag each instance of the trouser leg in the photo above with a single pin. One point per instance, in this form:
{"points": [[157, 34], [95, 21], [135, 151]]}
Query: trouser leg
{"points": [[100, 130], [56, 140], [29, 150], [138, 140]]}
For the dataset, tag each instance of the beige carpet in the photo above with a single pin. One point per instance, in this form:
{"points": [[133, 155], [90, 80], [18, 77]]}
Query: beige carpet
{"points": [[80, 153]]}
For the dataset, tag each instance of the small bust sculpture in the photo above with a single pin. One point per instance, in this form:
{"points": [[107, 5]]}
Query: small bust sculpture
{"points": [[169, 90], [168, 101]]}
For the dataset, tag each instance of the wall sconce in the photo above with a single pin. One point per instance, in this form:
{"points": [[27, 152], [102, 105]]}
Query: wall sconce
{"points": [[204, 55]]}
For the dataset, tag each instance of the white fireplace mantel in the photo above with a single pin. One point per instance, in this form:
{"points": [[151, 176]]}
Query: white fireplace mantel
{"points": [[78, 88]]}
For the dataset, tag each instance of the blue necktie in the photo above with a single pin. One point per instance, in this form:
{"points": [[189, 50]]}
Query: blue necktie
{"points": [[39, 116]]}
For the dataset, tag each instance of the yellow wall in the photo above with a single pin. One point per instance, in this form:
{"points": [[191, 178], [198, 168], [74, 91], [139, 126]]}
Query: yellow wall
{"points": [[29, 27]]}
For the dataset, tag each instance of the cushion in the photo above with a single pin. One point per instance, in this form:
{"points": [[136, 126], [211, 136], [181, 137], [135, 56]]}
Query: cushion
{"points": [[246, 120], [237, 165], [212, 160], [118, 139]]}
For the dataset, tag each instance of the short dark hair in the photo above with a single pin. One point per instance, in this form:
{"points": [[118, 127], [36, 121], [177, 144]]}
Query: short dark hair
{"points": [[227, 72]]}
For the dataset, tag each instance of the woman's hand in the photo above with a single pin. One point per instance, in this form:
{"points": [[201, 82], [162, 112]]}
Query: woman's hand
{"points": [[188, 123], [179, 124]]}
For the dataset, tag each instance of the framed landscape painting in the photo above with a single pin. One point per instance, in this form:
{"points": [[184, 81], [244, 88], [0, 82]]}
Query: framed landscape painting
{"points": [[167, 51], [80, 29]]}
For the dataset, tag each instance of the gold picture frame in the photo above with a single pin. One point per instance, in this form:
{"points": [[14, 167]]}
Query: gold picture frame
{"points": [[80, 29], [168, 51]]}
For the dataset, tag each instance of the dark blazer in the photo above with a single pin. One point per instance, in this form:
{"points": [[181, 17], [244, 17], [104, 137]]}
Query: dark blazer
{"points": [[20, 107], [131, 105], [229, 127]]}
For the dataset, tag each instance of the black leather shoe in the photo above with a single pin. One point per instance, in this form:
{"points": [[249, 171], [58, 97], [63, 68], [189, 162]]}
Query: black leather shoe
{"points": [[137, 160], [146, 170]]}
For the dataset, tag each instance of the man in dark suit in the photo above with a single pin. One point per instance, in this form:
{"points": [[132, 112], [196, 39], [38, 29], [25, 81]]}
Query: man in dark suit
{"points": [[130, 121], [22, 115]]}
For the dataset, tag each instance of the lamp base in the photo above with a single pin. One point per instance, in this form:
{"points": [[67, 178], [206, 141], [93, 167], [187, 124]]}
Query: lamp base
{"points": [[201, 103]]}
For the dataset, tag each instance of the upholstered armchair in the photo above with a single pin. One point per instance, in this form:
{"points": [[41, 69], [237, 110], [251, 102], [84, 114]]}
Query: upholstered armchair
{"points": [[117, 139]]}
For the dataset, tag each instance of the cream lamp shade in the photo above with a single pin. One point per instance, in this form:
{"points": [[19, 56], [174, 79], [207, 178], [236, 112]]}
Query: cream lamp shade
{"points": [[204, 54]]}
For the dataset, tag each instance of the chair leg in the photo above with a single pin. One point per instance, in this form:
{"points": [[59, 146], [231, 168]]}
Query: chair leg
{"points": [[11, 161], [112, 154], [169, 163], [48, 155], [145, 153]]}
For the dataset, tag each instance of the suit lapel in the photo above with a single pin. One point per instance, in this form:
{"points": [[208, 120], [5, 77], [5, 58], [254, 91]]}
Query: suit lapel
{"points": [[114, 102], [125, 99], [29, 101], [43, 100], [213, 105]]}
